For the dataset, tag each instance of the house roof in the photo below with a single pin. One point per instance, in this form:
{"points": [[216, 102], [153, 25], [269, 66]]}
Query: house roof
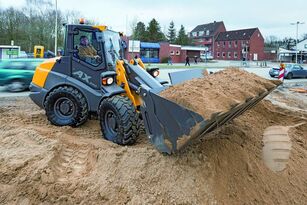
{"points": [[244, 34], [302, 41], [212, 27]]}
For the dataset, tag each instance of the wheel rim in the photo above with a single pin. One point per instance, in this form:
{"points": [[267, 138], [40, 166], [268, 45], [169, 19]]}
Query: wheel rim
{"points": [[290, 75], [16, 86], [64, 108], [111, 126]]}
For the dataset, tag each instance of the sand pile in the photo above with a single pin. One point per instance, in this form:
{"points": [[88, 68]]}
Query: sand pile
{"points": [[44, 164], [218, 92]]}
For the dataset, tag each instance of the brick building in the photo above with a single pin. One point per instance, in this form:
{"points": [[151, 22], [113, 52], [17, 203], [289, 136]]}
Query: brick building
{"points": [[204, 35], [242, 44], [160, 52]]}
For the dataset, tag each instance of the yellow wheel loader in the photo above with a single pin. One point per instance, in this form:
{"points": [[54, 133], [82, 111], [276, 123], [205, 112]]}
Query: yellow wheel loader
{"points": [[92, 78]]}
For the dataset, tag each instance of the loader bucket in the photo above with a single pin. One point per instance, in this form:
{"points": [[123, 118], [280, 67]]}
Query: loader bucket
{"points": [[170, 126]]}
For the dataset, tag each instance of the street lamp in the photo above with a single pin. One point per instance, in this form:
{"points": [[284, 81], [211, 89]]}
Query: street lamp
{"points": [[56, 28], [296, 40]]}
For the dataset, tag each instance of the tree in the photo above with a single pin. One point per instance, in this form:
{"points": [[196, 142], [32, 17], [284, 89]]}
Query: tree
{"points": [[139, 32], [171, 33], [182, 38], [33, 24], [154, 32], [304, 36]]}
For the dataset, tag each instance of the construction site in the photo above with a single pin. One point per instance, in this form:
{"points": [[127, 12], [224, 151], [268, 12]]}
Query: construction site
{"points": [[110, 118], [233, 164]]}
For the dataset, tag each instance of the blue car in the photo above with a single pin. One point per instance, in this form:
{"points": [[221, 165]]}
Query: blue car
{"points": [[291, 71]]}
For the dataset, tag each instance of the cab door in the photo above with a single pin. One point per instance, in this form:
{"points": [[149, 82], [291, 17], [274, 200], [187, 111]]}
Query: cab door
{"points": [[88, 61]]}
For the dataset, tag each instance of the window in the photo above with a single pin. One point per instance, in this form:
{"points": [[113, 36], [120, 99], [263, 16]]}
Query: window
{"points": [[218, 54], [172, 53], [229, 44], [224, 43], [229, 54], [218, 44], [223, 54], [14, 65], [207, 32], [150, 53], [201, 33], [194, 34], [236, 44], [235, 55], [177, 53], [87, 48], [32, 65]]}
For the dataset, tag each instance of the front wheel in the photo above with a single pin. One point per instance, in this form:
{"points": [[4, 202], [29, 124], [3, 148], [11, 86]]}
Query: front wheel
{"points": [[289, 76], [16, 86], [119, 120]]}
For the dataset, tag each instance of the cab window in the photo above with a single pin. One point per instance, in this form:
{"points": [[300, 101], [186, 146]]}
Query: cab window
{"points": [[87, 49]]}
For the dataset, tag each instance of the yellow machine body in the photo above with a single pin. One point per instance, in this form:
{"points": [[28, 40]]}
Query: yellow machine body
{"points": [[39, 51]]}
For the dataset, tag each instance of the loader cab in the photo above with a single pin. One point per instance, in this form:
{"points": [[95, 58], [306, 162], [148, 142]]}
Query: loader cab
{"points": [[83, 42], [92, 50]]}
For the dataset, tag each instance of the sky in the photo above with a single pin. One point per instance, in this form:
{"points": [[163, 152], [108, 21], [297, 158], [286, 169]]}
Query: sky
{"points": [[272, 17]]}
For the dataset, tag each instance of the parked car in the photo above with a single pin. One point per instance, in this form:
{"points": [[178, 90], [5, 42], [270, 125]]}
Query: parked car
{"points": [[291, 71], [16, 74], [206, 57]]}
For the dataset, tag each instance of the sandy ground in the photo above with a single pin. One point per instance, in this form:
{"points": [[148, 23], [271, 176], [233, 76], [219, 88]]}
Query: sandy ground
{"points": [[44, 164]]}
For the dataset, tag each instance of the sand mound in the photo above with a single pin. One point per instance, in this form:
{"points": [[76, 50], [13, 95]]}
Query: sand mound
{"points": [[41, 163], [218, 92]]}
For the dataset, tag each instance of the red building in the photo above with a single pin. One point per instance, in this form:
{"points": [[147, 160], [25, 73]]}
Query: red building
{"points": [[204, 35], [160, 52], [245, 44]]}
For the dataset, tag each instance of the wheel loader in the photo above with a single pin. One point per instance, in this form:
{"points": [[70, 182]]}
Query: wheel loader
{"points": [[98, 80]]}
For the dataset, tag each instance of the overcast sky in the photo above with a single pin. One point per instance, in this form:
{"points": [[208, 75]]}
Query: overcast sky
{"points": [[272, 17]]}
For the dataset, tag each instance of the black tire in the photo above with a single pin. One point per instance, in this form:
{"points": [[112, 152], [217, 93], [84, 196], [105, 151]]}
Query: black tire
{"points": [[272, 76], [290, 76], [119, 120], [66, 105], [16, 86]]}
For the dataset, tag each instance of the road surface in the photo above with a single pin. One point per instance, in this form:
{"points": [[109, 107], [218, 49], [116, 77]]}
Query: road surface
{"points": [[263, 72]]}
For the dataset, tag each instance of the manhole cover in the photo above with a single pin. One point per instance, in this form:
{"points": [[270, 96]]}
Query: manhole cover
{"points": [[277, 147]]}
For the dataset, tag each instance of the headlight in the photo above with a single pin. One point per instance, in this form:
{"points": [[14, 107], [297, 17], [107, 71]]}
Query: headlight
{"points": [[155, 73], [107, 81]]}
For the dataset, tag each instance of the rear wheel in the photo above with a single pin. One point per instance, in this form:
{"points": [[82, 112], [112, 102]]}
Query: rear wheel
{"points": [[66, 106], [119, 120], [290, 76], [16, 86]]}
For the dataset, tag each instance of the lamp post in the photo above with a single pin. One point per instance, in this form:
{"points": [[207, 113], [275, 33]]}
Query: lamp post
{"points": [[56, 29], [296, 40]]}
